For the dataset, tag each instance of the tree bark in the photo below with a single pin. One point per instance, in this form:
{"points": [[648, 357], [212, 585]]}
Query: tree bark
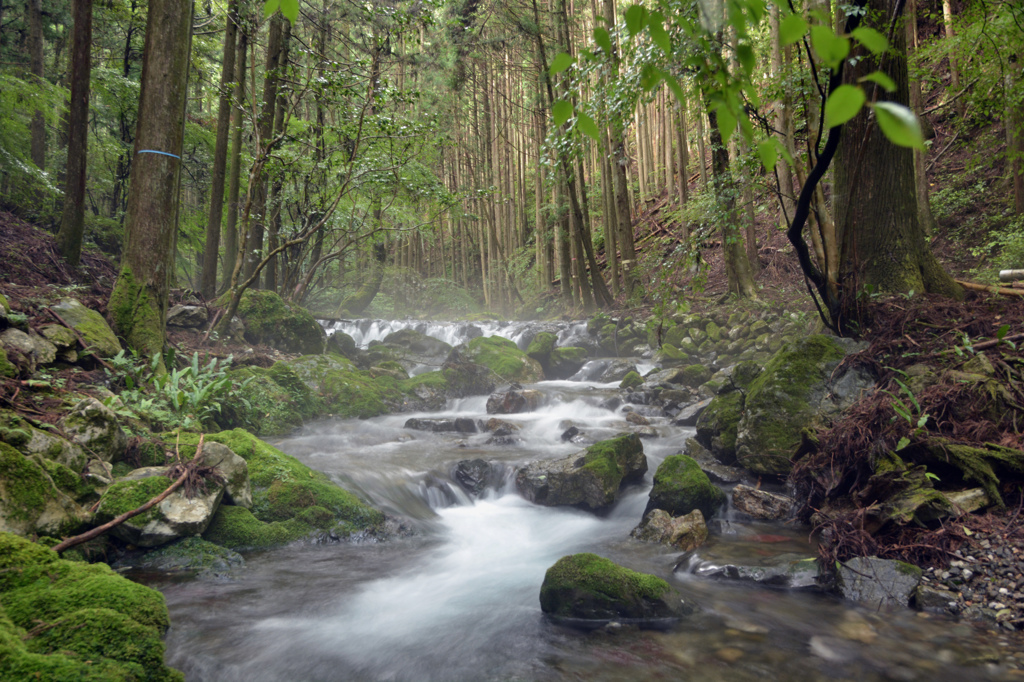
{"points": [[235, 170], [737, 265], [138, 303], [274, 225], [924, 209], [72, 222], [208, 282], [35, 53]]}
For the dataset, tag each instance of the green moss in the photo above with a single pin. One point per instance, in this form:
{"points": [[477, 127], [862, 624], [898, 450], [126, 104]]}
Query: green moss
{"points": [[680, 486], [125, 496], [541, 346], [67, 481], [608, 459], [270, 320], [264, 406], [981, 465], [136, 316], [236, 528], [4, 304], [718, 425], [504, 358], [27, 493], [631, 380], [6, 368], [590, 586], [694, 375], [191, 554]]}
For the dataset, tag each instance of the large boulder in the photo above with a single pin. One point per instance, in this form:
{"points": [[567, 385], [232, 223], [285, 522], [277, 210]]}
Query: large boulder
{"points": [[96, 625], [685, 533], [590, 587], [91, 326], [514, 401], [617, 371], [270, 320], [29, 440], [270, 401], [475, 476], [441, 424], [788, 571], [31, 501], [761, 504], [177, 516], [589, 479], [877, 583], [417, 347], [234, 471], [187, 316], [565, 362], [799, 388], [718, 424], [94, 427], [504, 358], [465, 378], [680, 486]]}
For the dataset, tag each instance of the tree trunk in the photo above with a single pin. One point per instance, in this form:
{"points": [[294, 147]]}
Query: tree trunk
{"points": [[737, 265], [35, 55], [138, 303], [208, 283], [72, 222], [235, 170], [274, 225], [781, 119], [882, 245], [924, 208]]}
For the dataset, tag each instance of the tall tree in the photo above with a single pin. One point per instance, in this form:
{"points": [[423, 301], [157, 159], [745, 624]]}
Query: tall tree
{"points": [[35, 52]]}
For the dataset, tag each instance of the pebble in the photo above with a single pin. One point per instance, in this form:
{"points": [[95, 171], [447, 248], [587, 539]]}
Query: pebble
{"points": [[985, 584]]}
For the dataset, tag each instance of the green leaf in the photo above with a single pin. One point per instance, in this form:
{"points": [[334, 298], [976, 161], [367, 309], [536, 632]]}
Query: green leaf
{"points": [[904, 442], [650, 77], [603, 40], [658, 33], [899, 124], [1003, 331], [586, 125], [746, 56], [290, 10], [829, 47], [843, 104], [561, 111], [871, 39], [769, 155], [726, 123], [270, 6], [674, 86], [636, 19], [792, 29], [881, 79], [560, 63]]}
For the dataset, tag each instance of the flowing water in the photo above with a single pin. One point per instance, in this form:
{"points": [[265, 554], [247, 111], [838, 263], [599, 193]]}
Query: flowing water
{"points": [[458, 600]]}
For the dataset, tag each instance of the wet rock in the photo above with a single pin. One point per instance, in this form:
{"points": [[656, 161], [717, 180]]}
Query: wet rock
{"points": [[473, 475], [647, 432], [31, 502], [761, 504], [504, 440], [514, 401], [680, 487], [570, 433], [716, 471], [611, 404], [441, 424], [94, 426], [464, 377], [234, 469], [631, 380], [717, 426], [787, 571], [187, 316], [417, 347], [565, 362], [688, 415], [617, 371], [591, 588], [504, 358], [685, 533], [91, 326], [930, 598], [589, 479], [639, 420], [500, 427], [877, 583], [188, 555]]}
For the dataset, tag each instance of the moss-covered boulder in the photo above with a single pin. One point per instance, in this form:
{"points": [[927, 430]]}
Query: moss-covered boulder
{"points": [[718, 425], [91, 326], [504, 358], [590, 479], [566, 361], [31, 502], [188, 555], [7, 368], [631, 380], [269, 401], [694, 375], [417, 348], [590, 587], [94, 426], [680, 486], [270, 320], [797, 389], [69, 621], [300, 501], [541, 347], [23, 436], [671, 356]]}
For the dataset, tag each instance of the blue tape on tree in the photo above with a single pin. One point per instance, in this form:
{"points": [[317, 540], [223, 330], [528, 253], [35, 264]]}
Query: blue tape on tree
{"points": [[153, 151]]}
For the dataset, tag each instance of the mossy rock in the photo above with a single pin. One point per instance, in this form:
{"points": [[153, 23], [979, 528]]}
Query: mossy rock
{"points": [[597, 323], [504, 358], [98, 625], [6, 368], [30, 501], [541, 346], [91, 326], [270, 320], [566, 361], [269, 402], [694, 375], [311, 369], [590, 587], [236, 528], [190, 555], [631, 380], [670, 356], [283, 490], [21, 435], [680, 486], [718, 425]]}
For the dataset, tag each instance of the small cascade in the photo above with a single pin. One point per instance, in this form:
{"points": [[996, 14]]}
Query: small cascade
{"points": [[365, 331]]}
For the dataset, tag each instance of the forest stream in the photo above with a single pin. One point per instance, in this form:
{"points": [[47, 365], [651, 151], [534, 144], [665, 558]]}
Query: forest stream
{"points": [[458, 598]]}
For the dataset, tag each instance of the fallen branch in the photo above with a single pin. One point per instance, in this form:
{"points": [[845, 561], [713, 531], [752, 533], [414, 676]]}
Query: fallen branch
{"points": [[100, 530], [974, 286], [995, 342], [85, 346]]}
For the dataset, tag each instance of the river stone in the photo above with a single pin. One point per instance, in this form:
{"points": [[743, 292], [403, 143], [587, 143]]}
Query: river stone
{"points": [[589, 479], [30, 501], [680, 487], [688, 415], [638, 419], [466, 378], [877, 583], [418, 347], [191, 555], [631, 381], [716, 471], [617, 371], [761, 504], [588, 587], [787, 571], [187, 316], [94, 426], [175, 517], [441, 424], [797, 389], [685, 533], [234, 469], [473, 475], [504, 358], [514, 401], [718, 424], [91, 326]]}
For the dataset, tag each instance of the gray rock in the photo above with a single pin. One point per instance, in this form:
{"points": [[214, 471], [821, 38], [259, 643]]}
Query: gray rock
{"points": [[44, 351], [91, 326], [94, 426], [188, 555], [930, 598], [786, 571], [473, 475], [187, 316], [716, 471], [616, 371], [418, 348], [20, 350], [60, 336], [589, 479], [680, 486], [877, 583], [761, 504], [685, 533], [689, 414], [514, 401], [234, 469], [439, 425]]}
